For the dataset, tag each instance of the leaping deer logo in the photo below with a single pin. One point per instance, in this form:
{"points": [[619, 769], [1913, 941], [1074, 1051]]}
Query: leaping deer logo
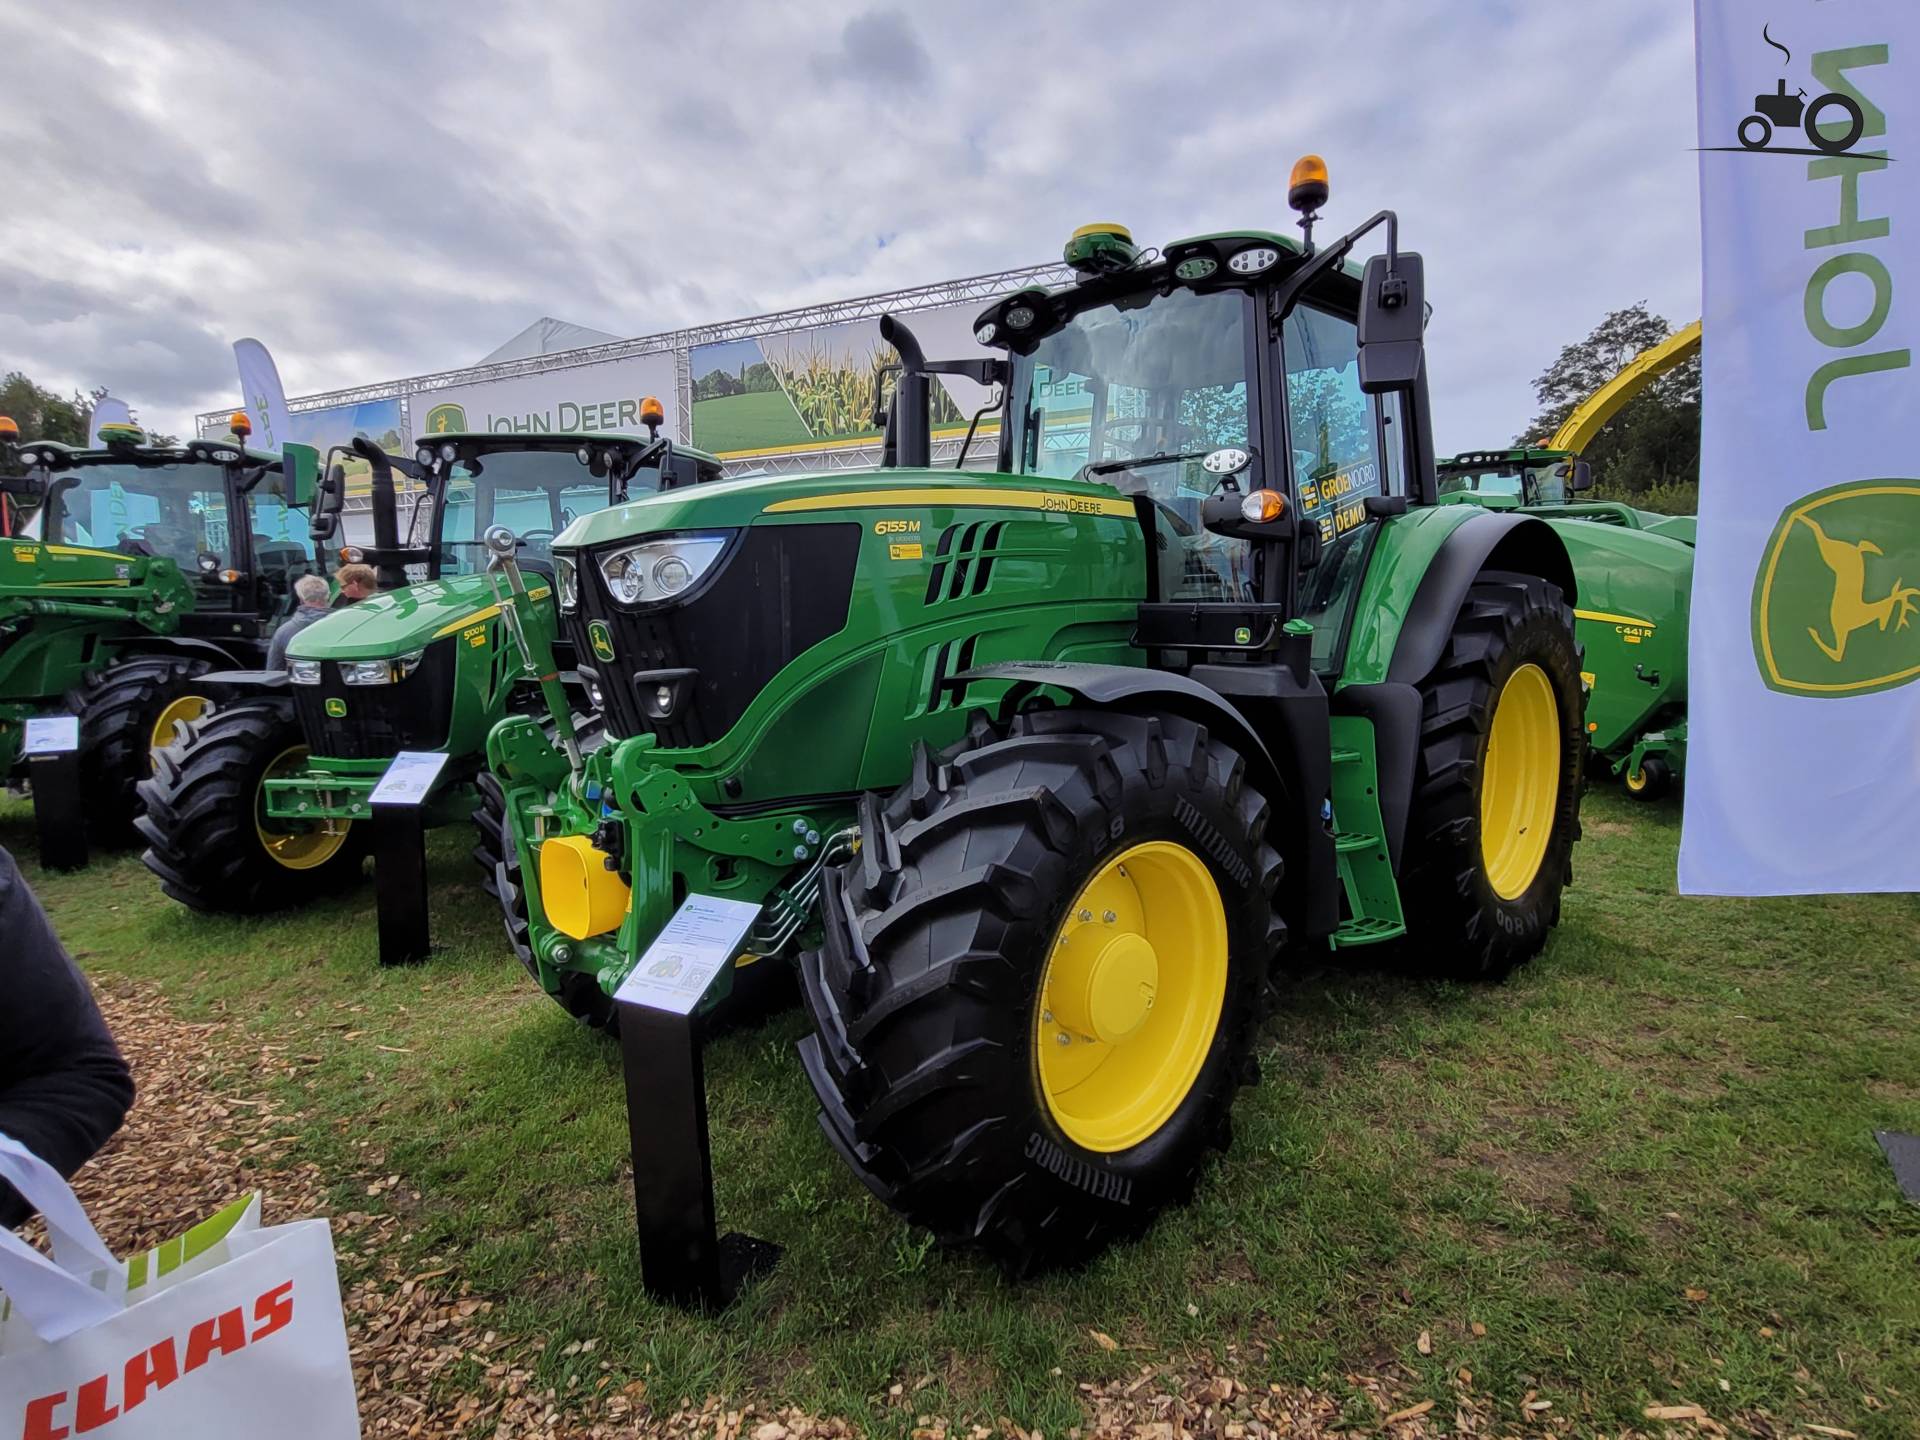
{"points": [[1851, 610]]}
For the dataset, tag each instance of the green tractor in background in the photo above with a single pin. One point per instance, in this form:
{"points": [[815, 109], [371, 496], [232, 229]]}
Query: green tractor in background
{"points": [[1635, 570], [258, 807], [132, 572], [1043, 768]]}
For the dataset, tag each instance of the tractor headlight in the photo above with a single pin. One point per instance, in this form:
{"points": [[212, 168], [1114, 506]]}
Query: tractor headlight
{"points": [[304, 672], [567, 582], [660, 569], [380, 672]]}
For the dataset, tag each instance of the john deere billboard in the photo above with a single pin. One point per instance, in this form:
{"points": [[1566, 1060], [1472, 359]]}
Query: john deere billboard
{"points": [[602, 397], [815, 388]]}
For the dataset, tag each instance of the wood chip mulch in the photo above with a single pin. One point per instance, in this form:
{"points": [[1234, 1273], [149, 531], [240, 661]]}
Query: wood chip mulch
{"points": [[429, 1362]]}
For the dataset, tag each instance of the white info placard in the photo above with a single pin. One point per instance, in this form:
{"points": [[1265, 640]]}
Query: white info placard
{"points": [[52, 735], [705, 935], [410, 775]]}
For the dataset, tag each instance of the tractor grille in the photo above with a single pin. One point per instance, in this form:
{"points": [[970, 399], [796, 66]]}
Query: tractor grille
{"points": [[380, 720], [779, 590]]}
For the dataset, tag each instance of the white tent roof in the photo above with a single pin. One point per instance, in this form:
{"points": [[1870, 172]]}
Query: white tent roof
{"points": [[544, 337]]}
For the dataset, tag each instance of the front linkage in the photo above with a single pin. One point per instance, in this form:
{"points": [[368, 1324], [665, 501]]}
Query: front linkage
{"points": [[620, 835]]}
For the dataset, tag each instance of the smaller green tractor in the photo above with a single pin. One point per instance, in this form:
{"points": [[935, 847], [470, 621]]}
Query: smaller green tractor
{"points": [[260, 804], [1636, 579], [130, 572]]}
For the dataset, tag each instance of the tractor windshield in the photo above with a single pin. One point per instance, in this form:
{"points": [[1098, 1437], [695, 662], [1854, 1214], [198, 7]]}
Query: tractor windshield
{"points": [[1136, 395], [175, 510], [534, 493]]}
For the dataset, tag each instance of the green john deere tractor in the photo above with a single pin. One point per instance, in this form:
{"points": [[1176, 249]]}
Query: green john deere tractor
{"points": [[1042, 767], [257, 807], [138, 569], [1635, 571]]}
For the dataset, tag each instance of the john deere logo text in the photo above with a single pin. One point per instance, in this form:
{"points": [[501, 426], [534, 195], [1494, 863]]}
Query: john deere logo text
{"points": [[336, 707], [1832, 604], [600, 638], [442, 419]]}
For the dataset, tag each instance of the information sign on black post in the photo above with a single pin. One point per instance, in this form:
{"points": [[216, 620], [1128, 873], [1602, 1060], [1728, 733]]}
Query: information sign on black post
{"points": [[52, 751], [400, 855], [682, 1260]]}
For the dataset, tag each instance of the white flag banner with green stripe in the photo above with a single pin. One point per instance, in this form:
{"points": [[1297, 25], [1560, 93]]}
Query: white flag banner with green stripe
{"points": [[1803, 770]]}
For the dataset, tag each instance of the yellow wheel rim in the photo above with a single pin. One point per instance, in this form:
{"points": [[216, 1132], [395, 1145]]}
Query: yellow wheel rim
{"points": [[1520, 783], [295, 844], [1131, 996], [1636, 780], [185, 707]]}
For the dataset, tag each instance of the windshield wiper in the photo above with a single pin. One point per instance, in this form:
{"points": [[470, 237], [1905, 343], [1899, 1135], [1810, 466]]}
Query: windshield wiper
{"points": [[1108, 466]]}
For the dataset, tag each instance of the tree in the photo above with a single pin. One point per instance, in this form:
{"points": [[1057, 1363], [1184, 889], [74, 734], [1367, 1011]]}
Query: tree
{"points": [[43, 415], [1653, 443]]}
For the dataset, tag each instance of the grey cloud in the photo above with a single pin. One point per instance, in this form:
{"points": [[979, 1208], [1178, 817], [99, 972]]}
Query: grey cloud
{"points": [[878, 49]]}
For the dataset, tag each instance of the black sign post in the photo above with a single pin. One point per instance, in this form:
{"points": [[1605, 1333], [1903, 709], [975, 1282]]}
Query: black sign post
{"points": [[683, 1261], [400, 855], [52, 750]]}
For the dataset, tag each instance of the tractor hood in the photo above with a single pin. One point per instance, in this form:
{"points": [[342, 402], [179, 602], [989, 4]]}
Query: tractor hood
{"points": [[401, 621], [732, 504]]}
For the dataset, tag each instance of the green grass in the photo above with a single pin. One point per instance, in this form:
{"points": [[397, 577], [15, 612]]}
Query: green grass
{"points": [[1629, 1165], [752, 421]]}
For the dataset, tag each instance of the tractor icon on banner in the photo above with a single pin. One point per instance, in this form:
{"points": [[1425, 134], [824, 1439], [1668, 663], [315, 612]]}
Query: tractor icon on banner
{"points": [[1794, 112]]}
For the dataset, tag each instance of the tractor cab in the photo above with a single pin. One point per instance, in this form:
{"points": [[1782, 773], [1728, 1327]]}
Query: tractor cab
{"points": [[1513, 479], [221, 513], [1223, 386], [458, 485]]}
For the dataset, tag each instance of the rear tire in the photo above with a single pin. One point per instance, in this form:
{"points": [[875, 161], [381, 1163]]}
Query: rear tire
{"points": [[206, 837], [932, 995], [119, 709], [1468, 914]]}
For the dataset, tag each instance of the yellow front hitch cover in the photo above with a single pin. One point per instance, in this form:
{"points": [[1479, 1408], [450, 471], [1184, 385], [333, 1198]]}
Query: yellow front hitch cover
{"points": [[582, 896], [1131, 997]]}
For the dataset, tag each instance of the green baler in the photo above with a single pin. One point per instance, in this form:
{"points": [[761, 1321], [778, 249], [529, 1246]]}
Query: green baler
{"points": [[1636, 580], [129, 581], [1037, 770], [260, 806]]}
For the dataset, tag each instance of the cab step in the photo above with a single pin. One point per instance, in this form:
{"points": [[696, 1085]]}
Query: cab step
{"points": [[1360, 839]]}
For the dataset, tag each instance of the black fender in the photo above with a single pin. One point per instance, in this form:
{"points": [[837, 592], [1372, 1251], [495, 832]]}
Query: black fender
{"points": [[233, 685], [197, 649], [1297, 780], [1489, 540]]}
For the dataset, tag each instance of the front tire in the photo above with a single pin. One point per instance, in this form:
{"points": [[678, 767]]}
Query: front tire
{"points": [[1496, 804], [1086, 873], [127, 712], [1653, 779], [208, 837]]}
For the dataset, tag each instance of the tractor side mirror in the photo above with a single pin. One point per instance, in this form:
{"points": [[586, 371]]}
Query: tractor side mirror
{"points": [[300, 473], [330, 498], [1393, 317], [1579, 476]]}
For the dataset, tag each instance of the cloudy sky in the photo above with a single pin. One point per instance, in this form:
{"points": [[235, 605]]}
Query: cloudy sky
{"points": [[379, 190]]}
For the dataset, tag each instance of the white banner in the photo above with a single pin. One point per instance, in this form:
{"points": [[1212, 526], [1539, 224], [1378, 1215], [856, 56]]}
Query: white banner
{"points": [[263, 398], [1803, 772], [107, 411], [604, 397]]}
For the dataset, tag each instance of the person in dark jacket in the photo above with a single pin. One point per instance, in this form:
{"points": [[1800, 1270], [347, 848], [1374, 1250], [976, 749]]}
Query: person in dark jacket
{"points": [[313, 594], [63, 1087]]}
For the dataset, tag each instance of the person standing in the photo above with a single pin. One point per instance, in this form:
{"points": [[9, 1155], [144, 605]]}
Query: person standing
{"points": [[357, 582], [313, 594], [64, 1088]]}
